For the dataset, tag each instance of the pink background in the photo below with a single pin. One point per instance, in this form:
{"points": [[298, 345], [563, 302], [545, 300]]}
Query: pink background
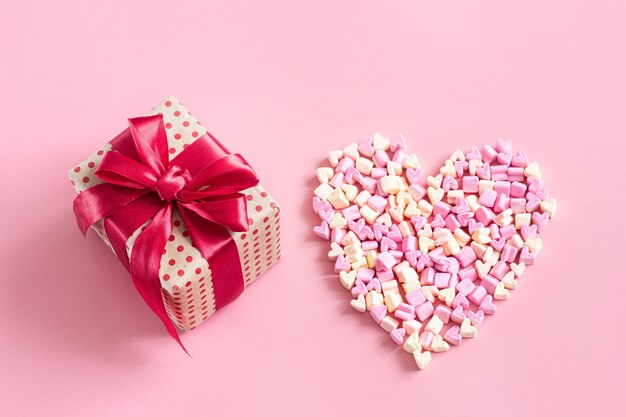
{"points": [[284, 83]]}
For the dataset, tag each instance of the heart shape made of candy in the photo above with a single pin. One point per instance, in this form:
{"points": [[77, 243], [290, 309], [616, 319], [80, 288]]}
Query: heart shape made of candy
{"points": [[429, 258]]}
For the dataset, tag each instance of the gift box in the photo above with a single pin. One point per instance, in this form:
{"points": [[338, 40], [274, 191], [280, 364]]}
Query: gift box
{"points": [[188, 219]]}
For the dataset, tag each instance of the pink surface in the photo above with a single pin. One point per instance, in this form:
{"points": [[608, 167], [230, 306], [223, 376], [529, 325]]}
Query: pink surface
{"points": [[77, 339]]}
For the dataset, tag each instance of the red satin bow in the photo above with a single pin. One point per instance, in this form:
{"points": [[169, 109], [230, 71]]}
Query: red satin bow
{"points": [[140, 183]]}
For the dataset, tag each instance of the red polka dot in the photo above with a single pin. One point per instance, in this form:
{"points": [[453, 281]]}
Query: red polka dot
{"points": [[185, 233], [175, 288], [250, 221], [273, 205], [168, 103], [188, 284], [176, 223], [194, 134], [77, 169], [85, 179], [180, 272], [186, 123], [172, 262], [258, 208], [171, 238], [100, 152], [168, 125], [166, 277], [172, 150], [189, 258], [177, 136], [249, 197], [176, 113], [180, 248], [263, 194], [198, 270], [265, 219], [91, 165], [185, 146], [243, 236]]}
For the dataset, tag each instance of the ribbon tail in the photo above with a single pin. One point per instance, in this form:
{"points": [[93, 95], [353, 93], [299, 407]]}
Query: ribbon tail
{"points": [[220, 250], [121, 225], [144, 266]]}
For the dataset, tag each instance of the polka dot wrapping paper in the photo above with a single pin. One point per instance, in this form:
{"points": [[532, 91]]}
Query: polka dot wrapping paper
{"points": [[185, 276]]}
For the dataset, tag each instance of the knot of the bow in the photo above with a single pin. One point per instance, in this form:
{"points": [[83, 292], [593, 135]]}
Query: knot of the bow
{"points": [[171, 182]]}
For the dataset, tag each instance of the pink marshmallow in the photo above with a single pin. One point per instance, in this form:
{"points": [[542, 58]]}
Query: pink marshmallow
{"points": [[518, 189], [476, 317], [489, 154], [466, 256], [365, 275], [416, 297], [499, 270], [426, 339], [384, 276], [468, 273], [378, 173], [443, 312], [453, 336], [502, 203], [344, 164], [417, 192], [351, 212], [441, 209], [470, 184], [465, 287], [458, 315], [477, 295], [487, 197], [381, 158], [502, 187], [484, 215], [385, 261], [442, 279], [489, 283], [460, 300], [377, 202], [452, 223], [337, 235], [427, 276], [369, 245], [424, 310], [487, 305], [509, 253], [409, 244]]}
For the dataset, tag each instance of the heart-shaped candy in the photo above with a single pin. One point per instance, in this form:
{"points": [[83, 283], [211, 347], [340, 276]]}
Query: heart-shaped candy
{"points": [[430, 260]]}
